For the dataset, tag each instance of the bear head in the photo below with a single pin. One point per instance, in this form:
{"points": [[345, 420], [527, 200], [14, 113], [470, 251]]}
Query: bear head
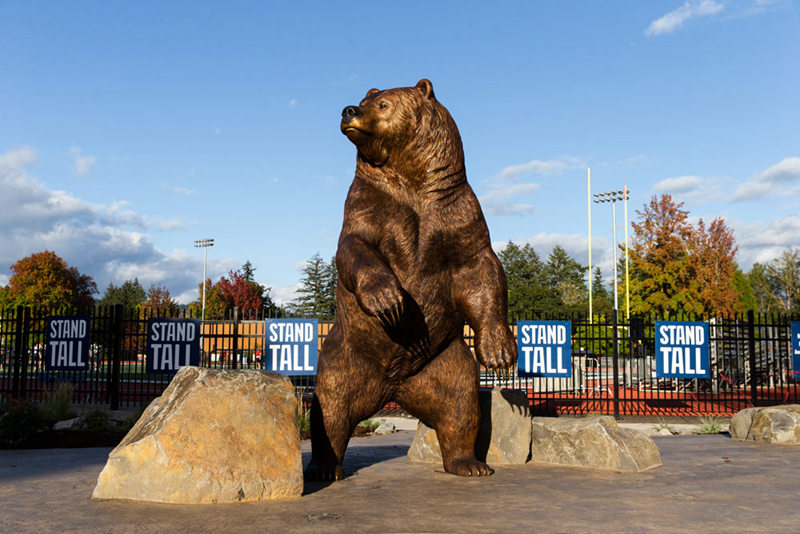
{"points": [[405, 128]]}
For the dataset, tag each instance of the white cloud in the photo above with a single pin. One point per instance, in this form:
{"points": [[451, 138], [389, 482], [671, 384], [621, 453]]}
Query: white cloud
{"points": [[82, 164], [503, 189], [788, 170], [553, 167], [299, 265], [763, 241], [680, 184], [284, 295], [498, 200], [772, 181], [108, 243], [675, 19], [177, 189], [293, 103]]}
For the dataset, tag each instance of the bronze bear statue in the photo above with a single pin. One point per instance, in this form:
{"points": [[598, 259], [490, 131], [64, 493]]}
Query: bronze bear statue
{"points": [[415, 262]]}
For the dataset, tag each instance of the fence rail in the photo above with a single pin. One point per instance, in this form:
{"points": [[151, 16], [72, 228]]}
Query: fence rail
{"points": [[613, 363]]}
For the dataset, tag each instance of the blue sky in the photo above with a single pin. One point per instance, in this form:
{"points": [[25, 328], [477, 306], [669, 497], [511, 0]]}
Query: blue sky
{"points": [[130, 129]]}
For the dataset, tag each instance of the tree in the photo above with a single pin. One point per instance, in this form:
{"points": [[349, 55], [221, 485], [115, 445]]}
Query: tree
{"points": [[601, 296], [130, 294], [783, 281], [236, 290], [316, 296], [661, 279], [44, 279], [159, 302], [763, 289], [525, 277], [744, 290], [713, 268], [567, 279]]}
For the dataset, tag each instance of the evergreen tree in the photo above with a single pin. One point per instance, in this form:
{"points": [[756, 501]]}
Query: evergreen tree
{"points": [[601, 296], [526, 280], [566, 278], [130, 294], [316, 295]]}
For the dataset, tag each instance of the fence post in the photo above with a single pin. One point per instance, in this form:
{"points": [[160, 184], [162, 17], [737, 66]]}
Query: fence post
{"points": [[751, 348], [615, 361], [116, 356], [19, 347], [235, 341]]}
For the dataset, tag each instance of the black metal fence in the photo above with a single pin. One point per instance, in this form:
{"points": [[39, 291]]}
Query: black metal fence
{"points": [[613, 363]]}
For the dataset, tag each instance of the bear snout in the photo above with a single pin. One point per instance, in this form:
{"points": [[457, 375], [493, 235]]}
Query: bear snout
{"points": [[350, 112]]}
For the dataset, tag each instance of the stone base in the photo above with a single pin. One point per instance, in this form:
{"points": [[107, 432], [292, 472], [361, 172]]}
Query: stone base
{"points": [[504, 437], [773, 424], [214, 436], [593, 442]]}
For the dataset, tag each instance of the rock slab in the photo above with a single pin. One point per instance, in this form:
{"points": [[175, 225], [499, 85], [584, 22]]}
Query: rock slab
{"points": [[593, 442], [773, 424], [214, 436], [504, 437]]}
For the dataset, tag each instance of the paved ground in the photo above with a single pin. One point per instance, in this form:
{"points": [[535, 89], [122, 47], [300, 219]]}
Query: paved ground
{"points": [[707, 483]]}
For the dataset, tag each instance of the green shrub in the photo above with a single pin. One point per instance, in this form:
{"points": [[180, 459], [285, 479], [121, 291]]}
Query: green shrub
{"points": [[97, 420], [371, 424], [710, 425], [19, 421], [57, 404], [303, 421]]}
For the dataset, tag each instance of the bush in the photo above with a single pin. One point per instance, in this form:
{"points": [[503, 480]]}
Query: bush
{"points": [[57, 404], [97, 419], [19, 421]]}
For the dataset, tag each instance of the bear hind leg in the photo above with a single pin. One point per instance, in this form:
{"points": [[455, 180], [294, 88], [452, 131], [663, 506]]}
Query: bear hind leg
{"points": [[445, 395]]}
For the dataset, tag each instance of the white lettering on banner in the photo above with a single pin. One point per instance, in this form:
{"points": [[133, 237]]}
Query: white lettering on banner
{"points": [[68, 328], [167, 356], [549, 334], [289, 358], [678, 360], [679, 334], [173, 331], [542, 360], [291, 333], [66, 353]]}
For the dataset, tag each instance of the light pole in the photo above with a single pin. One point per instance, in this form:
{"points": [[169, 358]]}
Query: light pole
{"points": [[204, 244], [613, 197]]}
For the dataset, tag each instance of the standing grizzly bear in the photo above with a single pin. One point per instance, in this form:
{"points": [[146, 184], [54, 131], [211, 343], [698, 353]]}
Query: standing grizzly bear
{"points": [[415, 262]]}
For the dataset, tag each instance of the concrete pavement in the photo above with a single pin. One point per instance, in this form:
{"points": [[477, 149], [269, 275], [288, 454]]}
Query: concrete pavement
{"points": [[707, 483]]}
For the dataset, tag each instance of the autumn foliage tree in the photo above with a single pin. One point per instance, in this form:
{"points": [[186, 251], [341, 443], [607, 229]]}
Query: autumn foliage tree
{"points": [[677, 268], [236, 290], [159, 302], [45, 279]]}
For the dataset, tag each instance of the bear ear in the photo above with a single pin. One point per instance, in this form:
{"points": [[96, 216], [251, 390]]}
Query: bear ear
{"points": [[426, 88], [372, 91]]}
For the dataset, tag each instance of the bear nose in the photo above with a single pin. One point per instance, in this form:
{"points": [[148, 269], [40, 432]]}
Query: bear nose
{"points": [[350, 111]]}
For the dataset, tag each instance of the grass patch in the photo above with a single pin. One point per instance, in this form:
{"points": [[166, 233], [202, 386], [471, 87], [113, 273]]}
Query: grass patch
{"points": [[663, 425], [710, 425]]}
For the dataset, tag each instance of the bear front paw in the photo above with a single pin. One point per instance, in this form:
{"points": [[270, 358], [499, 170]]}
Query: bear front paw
{"points": [[496, 348], [382, 298]]}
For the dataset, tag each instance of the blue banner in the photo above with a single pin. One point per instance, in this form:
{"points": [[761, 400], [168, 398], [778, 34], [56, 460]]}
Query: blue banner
{"points": [[682, 349], [172, 344], [291, 346], [796, 349], [67, 343], [544, 348]]}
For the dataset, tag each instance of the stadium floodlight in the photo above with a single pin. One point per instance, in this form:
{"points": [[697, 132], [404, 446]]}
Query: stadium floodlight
{"points": [[204, 244]]}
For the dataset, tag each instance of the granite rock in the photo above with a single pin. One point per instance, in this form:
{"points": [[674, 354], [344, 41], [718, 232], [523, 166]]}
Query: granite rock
{"points": [[504, 437], [593, 442], [773, 424], [213, 436]]}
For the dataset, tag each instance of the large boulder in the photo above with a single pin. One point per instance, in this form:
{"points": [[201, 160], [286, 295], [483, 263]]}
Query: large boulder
{"points": [[594, 442], [773, 424], [504, 437], [213, 436]]}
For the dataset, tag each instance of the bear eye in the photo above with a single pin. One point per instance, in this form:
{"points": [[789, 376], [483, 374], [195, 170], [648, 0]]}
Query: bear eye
{"points": [[383, 105]]}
